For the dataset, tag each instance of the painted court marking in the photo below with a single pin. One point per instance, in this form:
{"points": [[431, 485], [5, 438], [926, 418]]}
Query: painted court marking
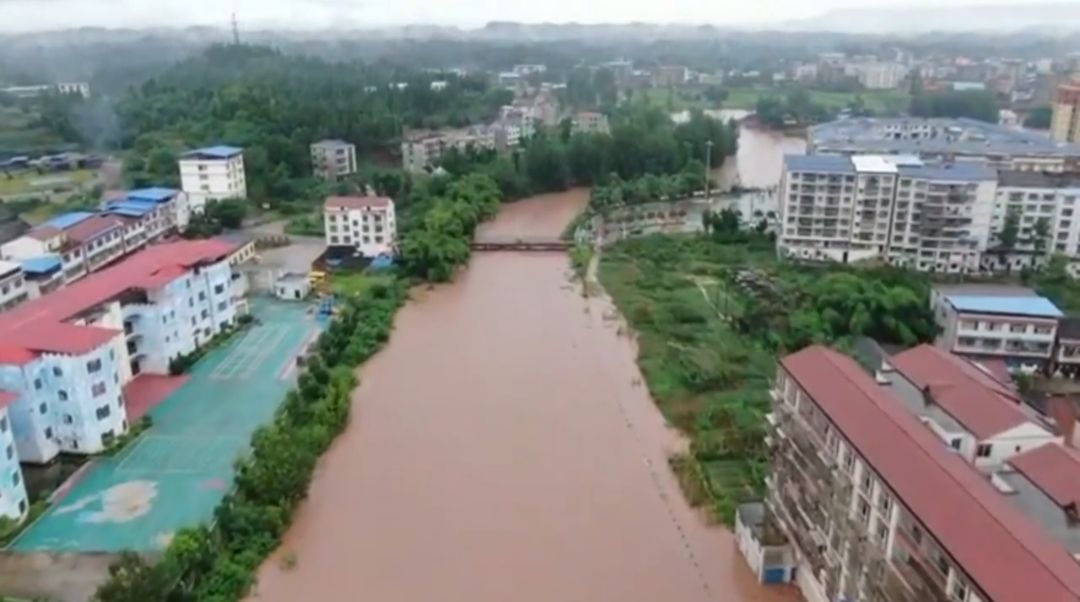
{"points": [[249, 353], [178, 454]]}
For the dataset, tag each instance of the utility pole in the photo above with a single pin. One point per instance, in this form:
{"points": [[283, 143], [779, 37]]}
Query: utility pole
{"points": [[235, 30], [708, 160]]}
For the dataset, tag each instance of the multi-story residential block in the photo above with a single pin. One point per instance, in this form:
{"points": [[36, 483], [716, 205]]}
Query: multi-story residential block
{"points": [[67, 355], [945, 139], [365, 223], [13, 498], [875, 507], [995, 321], [210, 174], [933, 217], [670, 75], [422, 150], [1067, 347], [980, 417], [1044, 206], [525, 70], [43, 274], [878, 75], [1065, 114], [13, 289], [332, 159], [86, 242], [590, 122], [80, 88]]}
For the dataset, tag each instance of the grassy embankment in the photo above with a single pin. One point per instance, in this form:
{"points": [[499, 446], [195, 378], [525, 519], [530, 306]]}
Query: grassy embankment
{"points": [[711, 321]]}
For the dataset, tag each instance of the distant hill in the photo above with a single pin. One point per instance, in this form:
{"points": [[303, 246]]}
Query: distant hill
{"points": [[1057, 17]]}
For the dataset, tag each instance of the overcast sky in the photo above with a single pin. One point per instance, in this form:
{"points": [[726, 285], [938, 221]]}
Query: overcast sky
{"points": [[37, 15]]}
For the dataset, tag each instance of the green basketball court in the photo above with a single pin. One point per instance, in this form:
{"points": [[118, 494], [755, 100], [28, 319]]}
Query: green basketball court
{"points": [[176, 473]]}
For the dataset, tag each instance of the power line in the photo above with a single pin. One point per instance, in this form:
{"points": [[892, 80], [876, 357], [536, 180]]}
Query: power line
{"points": [[235, 30]]}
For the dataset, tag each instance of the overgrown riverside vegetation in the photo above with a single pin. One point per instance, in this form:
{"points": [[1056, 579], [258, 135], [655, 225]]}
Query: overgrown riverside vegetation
{"points": [[713, 316], [217, 563]]}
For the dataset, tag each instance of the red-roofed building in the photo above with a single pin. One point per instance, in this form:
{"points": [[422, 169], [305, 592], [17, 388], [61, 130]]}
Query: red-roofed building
{"points": [[876, 508], [965, 405], [81, 344], [365, 223]]}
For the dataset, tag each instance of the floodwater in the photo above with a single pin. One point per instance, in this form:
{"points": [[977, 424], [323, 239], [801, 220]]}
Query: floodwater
{"points": [[501, 448], [760, 157]]}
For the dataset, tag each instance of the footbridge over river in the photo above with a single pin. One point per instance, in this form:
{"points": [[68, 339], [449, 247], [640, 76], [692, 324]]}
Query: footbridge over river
{"points": [[522, 243]]}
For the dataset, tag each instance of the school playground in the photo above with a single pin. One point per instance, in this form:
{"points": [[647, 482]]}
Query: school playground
{"points": [[176, 473]]}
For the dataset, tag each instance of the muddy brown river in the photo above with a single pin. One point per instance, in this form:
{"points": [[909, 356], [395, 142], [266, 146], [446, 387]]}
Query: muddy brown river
{"points": [[502, 448]]}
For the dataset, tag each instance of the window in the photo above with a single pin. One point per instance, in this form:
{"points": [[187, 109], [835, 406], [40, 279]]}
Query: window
{"points": [[221, 306], [22, 506], [219, 289], [204, 314], [93, 366], [959, 591], [202, 295], [10, 451], [98, 389], [43, 408], [103, 412], [68, 419], [983, 451], [916, 534], [57, 371], [37, 384], [62, 395], [955, 443], [849, 462], [48, 432], [15, 478], [3, 424]]}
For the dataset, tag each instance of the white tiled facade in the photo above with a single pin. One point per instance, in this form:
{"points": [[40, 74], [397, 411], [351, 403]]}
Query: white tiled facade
{"points": [[366, 223], [13, 290], [208, 177], [923, 216]]}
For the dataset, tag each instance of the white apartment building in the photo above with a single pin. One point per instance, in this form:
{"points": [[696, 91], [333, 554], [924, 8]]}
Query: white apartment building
{"points": [[365, 223], [875, 507], [13, 499], [422, 150], [13, 289], [985, 320], [590, 122], [1043, 203], [80, 88], [928, 216], [67, 355], [875, 75], [210, 174], [332, 159]]}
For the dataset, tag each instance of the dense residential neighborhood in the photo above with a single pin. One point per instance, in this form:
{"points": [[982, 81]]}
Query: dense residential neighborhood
{"points": [[687, 313]]}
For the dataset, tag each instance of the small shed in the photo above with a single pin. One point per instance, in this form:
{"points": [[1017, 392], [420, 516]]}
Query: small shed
{"points": [[292, 286]]}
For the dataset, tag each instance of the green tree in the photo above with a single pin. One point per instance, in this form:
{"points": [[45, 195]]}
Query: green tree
{"points": [[1039, 118], [1040, 234]]}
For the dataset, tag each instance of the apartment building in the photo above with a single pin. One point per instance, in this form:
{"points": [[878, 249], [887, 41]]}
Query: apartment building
{"points": [[879, 75], [86, 241], [1008, 322], [928, 216], [670, 75], [962, 402], [365, 223], [946, 140], [67, 355], [874, 506], [1065, 114], [13, 499], [422, 150], [211, 174], [43, 274], [1067, 349], [13, 289], [1045, 207], [332, 159], [80, 88], [590, 122]]}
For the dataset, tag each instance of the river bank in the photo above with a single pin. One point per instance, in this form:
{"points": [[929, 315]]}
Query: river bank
{"points": [[502, 447]]}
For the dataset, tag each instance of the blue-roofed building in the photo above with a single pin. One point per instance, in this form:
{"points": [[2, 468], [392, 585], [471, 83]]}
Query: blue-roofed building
{"points": [[212, 174], [67, 220], [154, 194], [44, 274], [1013, 323]]}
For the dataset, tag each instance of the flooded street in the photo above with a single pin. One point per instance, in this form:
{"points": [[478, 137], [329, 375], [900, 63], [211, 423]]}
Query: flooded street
{"points": [[502, 448]]}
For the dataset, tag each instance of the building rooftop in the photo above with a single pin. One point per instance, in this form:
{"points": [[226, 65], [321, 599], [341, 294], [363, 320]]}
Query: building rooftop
{"points": [[8, 268], [958, 171], [1043, 485], [213, 152], [67, 220], [330, 143], [44, 232], [357, 202], [1008, 557], [1036, 179], [131, 208], [985, 290], [92, 228], [156, 194], [40, 325], [44, 264], [819, 163], [1038, 307], [974, 398], [960, 136]]}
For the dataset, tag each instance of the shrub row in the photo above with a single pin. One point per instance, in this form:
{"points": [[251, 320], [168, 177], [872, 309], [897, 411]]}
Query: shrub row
{"points": [[218, 563], [182, 363]]}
